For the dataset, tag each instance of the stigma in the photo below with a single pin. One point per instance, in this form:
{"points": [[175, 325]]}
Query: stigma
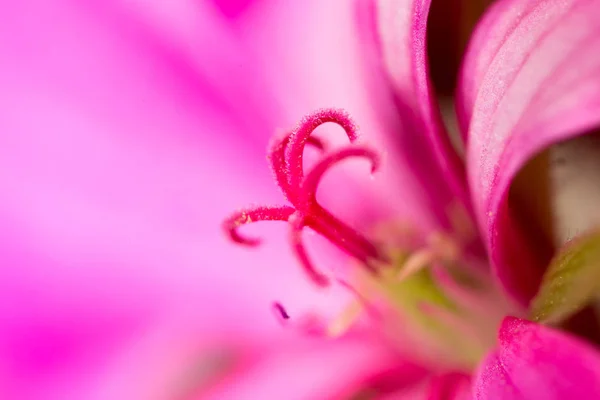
{"points": [[285, 156]]}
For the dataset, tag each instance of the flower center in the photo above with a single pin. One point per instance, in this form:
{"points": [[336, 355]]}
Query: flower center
{"points": [[285, 156], [429, 283]]}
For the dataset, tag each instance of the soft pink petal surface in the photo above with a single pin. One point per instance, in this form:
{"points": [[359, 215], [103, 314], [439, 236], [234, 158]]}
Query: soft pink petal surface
{"points": [[421, 138], [444, 386], [319, 369], [122, 151], [536, 362], [531, 78]]}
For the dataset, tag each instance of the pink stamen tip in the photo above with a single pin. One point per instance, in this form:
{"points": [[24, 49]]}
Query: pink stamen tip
{"points": [[300, 136], [246, 216], [297, 223], [311, 182]]}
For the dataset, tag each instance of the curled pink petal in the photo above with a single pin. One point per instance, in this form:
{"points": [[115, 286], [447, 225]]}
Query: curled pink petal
{"points": [[532, 83], [423, 142]]}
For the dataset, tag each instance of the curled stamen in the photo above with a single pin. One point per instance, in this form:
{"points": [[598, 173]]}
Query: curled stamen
{"points": [[276, 158], [285, 157], [297, 223], [246, 216], [345, 237], [311, 182], [295, 147], [342, 235]]}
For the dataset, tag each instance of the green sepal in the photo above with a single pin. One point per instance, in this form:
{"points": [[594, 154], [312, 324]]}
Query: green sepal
{"points": [[571, 281]]}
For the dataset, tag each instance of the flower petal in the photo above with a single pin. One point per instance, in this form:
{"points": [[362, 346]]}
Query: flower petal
{"points": [[536, 362], [446, 386], [120, 156], [422, 138], [531, 78], [319, 369]]}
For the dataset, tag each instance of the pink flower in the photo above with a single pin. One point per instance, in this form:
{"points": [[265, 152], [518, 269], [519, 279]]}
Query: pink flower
{"points": [[503, 100], [133, 128]]}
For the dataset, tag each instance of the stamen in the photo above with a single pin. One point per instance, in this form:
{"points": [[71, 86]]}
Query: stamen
{"points": [[297, 223], [298, 138], [346, 238], [285, 156], [276, 158], [246, 216], [311, 182]]}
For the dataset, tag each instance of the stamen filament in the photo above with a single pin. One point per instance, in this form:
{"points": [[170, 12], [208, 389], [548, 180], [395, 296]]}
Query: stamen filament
{"points": [[345, 237], [311, 182], [246, 216], [276, 158], [297, 223]]}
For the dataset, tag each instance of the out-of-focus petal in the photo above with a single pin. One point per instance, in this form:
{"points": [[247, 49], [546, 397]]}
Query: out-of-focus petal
{"points": [[536, 362], [446, 386], [120, 155], [531, 78], [452, 386], [316, 369], [422, 138]]}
